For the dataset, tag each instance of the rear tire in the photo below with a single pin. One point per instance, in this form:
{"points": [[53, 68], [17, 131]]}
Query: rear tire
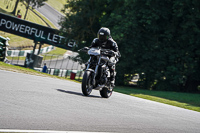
{"points": [[87, 83], [105, 92]]}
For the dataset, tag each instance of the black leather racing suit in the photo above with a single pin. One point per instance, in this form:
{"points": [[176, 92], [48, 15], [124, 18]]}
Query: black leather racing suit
{"points": [[111, 45]]}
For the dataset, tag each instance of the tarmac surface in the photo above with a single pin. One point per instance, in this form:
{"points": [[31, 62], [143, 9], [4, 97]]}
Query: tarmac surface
{"points": [[29, 102]]}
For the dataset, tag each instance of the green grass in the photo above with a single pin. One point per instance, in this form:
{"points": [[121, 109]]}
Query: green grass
{"points": [[57, 4], [8, 67], [184, 100], [15, 58], [58, 51], [50, 55]]}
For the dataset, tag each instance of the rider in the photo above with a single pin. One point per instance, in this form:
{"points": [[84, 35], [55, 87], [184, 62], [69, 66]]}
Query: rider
{"points": [[105, 41]]}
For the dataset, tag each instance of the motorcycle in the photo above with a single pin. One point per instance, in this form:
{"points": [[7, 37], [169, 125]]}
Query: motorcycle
{"points": [[97, 74]]}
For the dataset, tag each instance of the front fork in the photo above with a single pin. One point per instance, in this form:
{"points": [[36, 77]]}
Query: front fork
{"points": [[95, 71], [88, 66]]}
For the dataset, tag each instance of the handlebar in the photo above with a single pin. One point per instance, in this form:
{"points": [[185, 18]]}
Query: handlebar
{"points": [[108, 52], [85, 49], [103, 51]]}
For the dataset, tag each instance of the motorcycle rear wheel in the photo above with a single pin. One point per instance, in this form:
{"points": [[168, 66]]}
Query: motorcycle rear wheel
{"points": [[105, 92], [87, 83]]}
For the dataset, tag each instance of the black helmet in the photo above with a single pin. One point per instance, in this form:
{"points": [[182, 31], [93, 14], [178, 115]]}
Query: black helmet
{"points": [[103, 34]]}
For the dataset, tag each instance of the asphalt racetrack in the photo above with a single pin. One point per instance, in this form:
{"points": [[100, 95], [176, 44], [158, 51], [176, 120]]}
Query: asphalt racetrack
{"points": [[29, 102], [51, 14]]}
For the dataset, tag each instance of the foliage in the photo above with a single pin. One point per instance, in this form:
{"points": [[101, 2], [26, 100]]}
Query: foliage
{"points": [[157, 38], [82, 22]]}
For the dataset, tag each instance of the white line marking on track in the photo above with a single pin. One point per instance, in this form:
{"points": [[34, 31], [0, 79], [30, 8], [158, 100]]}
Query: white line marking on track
{"points": [[42, 131]]}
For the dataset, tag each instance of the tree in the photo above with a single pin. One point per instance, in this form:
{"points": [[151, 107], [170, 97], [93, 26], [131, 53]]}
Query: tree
{"points": [[162, 39], [157, 39], [82, 22]]}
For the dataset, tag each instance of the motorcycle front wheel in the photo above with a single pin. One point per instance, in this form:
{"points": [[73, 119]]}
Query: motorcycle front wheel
{"points": [[105, 92], [87, 83]]}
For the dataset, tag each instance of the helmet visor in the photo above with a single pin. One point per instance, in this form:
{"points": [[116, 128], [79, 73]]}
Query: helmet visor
{"points": [[102, 38]]}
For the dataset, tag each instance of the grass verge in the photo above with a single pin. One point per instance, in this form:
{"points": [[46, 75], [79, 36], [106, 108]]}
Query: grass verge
{"points": [[184, 100], [58, 5], [8, 67], [58, 52], [189, 101], [18, 69]]}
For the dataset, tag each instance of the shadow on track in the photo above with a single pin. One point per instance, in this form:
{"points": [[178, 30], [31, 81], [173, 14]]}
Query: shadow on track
{"points": [[76, 93]]}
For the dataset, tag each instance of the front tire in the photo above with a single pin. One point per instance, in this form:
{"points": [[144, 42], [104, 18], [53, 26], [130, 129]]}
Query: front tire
{"points": [[87, 83], [105, 92]]}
